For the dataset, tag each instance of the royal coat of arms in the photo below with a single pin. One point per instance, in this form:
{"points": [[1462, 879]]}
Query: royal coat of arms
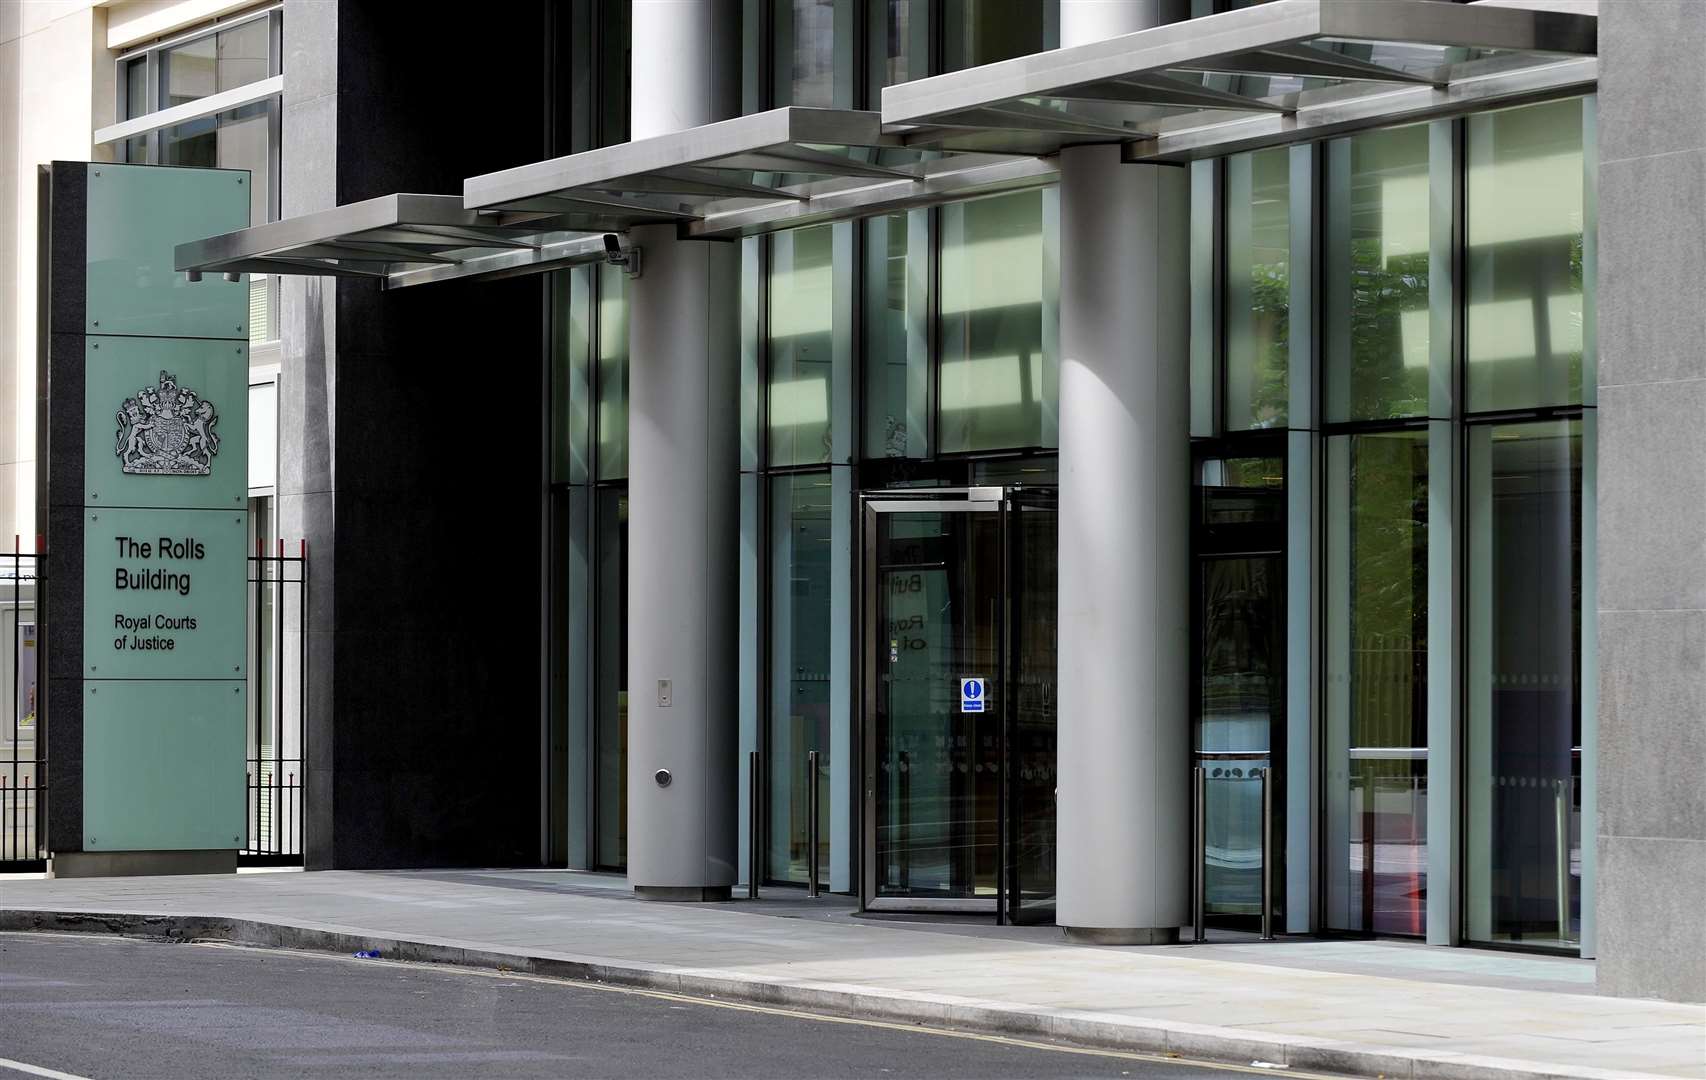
{"points": [[167, 430]]}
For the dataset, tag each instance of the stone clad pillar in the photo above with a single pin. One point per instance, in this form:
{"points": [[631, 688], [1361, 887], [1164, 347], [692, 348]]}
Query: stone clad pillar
{"points": [[1123, 831], [683, 488]]}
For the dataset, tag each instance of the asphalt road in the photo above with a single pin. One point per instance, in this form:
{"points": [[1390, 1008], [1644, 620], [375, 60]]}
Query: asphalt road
{"points": [[100, 1007]]}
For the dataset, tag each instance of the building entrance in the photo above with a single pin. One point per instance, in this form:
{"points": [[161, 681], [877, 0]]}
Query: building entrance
{"points": [[959, 701]]}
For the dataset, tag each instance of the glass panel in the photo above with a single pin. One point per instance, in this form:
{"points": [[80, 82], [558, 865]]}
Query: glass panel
{"points": [[799, 665], [936, 577], [1258, 288], [897, 362], [135, 87], [1239, 491], [612, 373], [982, 31], [1524, 319], [571, 331], [1523, 830], [217, 62], [899, 44], [1243, 706], [802, 345], [1377, 694], [610, 737], [1377, 265], [239, 139], [994, 377], [805, 53]]}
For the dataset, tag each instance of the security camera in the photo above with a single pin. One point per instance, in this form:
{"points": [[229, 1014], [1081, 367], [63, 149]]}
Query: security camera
{"points": [[614, 254]]}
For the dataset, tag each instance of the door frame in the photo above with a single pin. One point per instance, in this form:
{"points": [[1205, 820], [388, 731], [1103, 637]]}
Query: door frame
{"points": [[994, 499]]}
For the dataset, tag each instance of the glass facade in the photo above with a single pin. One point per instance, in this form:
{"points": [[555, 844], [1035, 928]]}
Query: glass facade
{"points": [[998, 380], [1378, 255], [1258, 289], [1522, 834], [802, 346], [1377, 682], [800, 586], [1393, 334], [1523, 332]]}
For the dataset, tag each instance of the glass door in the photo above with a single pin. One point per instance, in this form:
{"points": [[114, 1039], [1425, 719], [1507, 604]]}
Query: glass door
{"points": [[959, 702]]}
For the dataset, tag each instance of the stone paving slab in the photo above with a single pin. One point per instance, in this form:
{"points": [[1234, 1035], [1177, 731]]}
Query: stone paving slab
{"points": [[1433, 1017]]}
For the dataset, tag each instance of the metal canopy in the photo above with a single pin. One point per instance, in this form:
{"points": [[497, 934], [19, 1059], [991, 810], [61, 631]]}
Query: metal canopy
{"points": [[1280, 72], [1288, 70], [400, 239], [768, 156]]}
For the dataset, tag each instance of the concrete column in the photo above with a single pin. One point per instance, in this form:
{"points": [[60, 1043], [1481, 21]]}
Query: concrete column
{"points": [[1124, 806], [683, 490]]}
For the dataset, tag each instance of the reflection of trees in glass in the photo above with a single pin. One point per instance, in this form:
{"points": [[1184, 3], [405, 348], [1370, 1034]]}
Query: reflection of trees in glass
{"points": [[1270, 333], [1389, 502], [1382, 290]]}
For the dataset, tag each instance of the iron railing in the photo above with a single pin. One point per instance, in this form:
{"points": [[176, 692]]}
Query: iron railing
{"points": [[23, 764], [278, 707]]}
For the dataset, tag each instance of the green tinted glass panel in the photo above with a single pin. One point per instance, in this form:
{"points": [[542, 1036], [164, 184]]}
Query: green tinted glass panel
{"points": [[1523, 832], [164, 593], [897, 361], [163, 765], [800, 693], [157, 407], [612, 332], [995, 376], [1258, 288], [1377, 289], [1377, 701], [137, 216], [571, 336], [802, 345], [1523, 331]]}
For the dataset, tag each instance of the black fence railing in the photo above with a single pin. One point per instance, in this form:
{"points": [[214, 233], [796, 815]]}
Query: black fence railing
{"points": [[276, 786], [278, 703], [23, 765]]}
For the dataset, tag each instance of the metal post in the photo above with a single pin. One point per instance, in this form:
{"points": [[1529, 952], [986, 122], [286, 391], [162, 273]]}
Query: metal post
{"points": [[753, 794], [1561, 826], [1199, 853], [1267, 854], [811, 823]]}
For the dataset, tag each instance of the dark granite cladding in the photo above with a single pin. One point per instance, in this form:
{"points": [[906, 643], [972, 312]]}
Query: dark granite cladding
{"points": [[426, 720], [59, 492]]}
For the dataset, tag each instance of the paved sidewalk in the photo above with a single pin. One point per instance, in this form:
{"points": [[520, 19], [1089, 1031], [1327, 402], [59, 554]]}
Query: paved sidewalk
{"points": [[1359, 1007]]}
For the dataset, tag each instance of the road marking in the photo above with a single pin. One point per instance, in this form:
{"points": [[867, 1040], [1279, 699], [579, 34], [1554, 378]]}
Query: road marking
{"points": [[1264, 1069], [37, 1070]]}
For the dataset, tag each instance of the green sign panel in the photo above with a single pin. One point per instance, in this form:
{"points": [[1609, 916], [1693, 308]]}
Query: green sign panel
{"points": [[163, 765], [138, 215], [167, 422], [165, 522], [163, 594]]}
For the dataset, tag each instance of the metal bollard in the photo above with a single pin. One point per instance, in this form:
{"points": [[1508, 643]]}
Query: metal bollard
{"points": [[1199, 853], [811, 824], [1561, 826], [754, 792], [1267, 854]]}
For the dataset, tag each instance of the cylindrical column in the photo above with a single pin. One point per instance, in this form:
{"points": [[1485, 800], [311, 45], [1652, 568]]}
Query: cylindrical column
{"points": [[683, 490], [1084, 21], [1124, 724], [684, 64], [1124, 826]]}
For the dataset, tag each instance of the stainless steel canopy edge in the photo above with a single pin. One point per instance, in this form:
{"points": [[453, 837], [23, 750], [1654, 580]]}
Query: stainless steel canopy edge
{"points": [[994, 128]]}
